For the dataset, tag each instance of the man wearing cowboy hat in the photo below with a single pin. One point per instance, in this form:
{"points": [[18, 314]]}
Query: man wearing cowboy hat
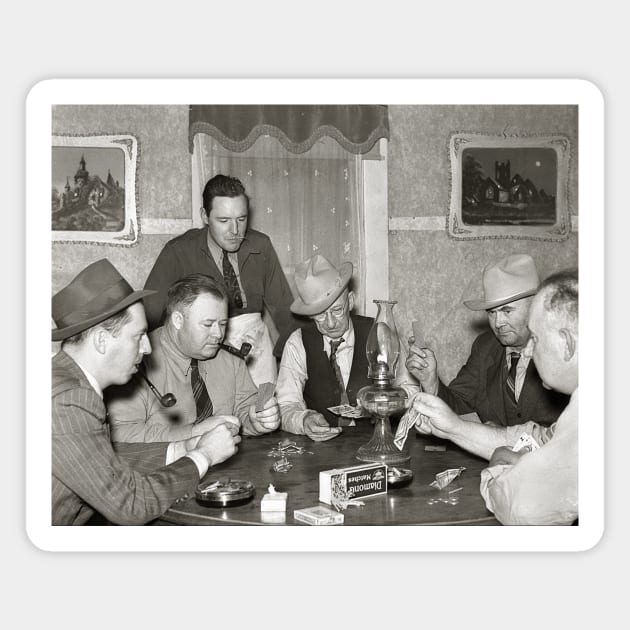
{"points": [[528, 483], [499, 381], [101, 323], [320, 367]]}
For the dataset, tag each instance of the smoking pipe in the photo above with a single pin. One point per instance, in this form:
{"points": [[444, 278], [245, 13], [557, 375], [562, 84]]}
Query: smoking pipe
{"points": [[168, 400], [242, 353]]}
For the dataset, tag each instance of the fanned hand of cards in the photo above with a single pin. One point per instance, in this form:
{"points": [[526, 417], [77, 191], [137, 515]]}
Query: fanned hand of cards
{"points": [[265, 392], [419, 339]]}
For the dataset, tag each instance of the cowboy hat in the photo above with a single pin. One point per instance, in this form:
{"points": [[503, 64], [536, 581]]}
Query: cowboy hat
{"points": [[507, 280], [98, 292], [318, 284]]}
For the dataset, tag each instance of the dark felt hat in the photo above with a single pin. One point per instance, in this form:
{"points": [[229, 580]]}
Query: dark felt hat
{"points": [[98, 292]]}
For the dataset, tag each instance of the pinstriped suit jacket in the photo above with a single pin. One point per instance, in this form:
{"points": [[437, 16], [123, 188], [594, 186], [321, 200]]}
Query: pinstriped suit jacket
{"points": [[88, 475]]}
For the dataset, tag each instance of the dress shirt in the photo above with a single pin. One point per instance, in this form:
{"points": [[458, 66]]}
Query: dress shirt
{"points": [[292, 377], [541, 488], [521, 366], [137, 416], [217, 255]]}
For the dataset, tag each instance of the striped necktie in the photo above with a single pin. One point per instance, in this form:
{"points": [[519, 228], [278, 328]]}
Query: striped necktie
{"points": [[231, 283], [511, 379], [334, 345], [202, 398]]}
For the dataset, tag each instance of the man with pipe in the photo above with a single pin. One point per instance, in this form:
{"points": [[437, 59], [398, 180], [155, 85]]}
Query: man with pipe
{"points": [[210, 385], [101, 323], [241, 258]]}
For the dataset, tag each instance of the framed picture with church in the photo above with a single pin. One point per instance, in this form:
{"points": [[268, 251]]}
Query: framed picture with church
{"points": [[509, 186], [94, 189]]}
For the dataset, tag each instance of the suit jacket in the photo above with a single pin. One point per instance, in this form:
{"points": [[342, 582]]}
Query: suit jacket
{"points": [[262, 278], [88, 475], [479, 387]]}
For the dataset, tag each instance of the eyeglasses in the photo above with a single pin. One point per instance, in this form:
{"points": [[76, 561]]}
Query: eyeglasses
{"points": [[337, 312]]}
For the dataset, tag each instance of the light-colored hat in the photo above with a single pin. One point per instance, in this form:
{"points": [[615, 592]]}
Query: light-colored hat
{"points": [[97, 293], [507, 280], [318, 284]]}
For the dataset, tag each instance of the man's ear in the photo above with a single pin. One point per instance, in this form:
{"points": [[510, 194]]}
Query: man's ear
{"points": [[350, 300], [99, 340], [178, 319], [568, 341], [203, 215]]}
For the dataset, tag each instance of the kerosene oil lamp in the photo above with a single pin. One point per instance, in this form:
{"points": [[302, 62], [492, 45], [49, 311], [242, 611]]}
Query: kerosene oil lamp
{"points": [[382, 398]]}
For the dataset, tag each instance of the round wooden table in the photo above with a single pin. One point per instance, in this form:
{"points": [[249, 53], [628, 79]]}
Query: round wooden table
{"points": [[414, 504]]}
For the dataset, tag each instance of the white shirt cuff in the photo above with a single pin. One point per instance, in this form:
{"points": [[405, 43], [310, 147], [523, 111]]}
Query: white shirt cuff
{"points": [[200, 461]]}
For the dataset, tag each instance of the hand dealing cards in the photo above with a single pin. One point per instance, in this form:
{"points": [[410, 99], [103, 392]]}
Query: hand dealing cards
{"points": [[265, 392]]}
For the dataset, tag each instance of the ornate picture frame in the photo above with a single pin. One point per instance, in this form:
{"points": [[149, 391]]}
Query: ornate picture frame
{"points": [[94, 189], [509, 186]]}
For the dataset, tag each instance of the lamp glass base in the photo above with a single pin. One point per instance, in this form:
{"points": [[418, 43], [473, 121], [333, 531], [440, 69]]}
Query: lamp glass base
{"points": [[381, 447]]}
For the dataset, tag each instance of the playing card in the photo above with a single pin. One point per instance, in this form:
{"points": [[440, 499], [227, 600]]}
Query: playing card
{"points": [[417, 333], [348, 411], [265, 392], [404, 426], [525, 441]]}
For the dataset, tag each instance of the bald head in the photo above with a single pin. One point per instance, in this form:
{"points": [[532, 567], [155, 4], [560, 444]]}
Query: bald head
{"points": [[553, 322]]}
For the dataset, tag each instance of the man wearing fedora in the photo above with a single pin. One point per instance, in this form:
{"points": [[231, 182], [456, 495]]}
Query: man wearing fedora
{"points": [[101, 323], [186, 361], [499, 382], [324, 363], [528, 483]]}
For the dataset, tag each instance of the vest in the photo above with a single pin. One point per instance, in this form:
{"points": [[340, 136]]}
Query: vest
{"points": [[321, 389]]}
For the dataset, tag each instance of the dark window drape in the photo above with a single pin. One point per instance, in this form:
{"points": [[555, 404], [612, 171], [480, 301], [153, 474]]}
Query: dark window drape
{"points": [[297, 127]]}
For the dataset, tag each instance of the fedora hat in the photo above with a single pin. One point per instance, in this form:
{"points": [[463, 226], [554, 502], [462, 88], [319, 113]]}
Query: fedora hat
{"points": [[318, 284], [98, 292], [507, 280]]}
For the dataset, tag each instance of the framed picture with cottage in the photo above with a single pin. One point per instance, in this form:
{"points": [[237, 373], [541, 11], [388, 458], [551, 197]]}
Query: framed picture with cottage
{"points": [[93, 197], [509, 186]]}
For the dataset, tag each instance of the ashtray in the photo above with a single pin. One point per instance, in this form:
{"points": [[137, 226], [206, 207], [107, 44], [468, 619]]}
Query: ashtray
{"points": [[397, 477], [225, 493]]}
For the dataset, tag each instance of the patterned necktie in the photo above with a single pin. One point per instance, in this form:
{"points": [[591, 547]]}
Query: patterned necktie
{"points": [[511, 379], [231, 283], [202, 398], [334, 345]]}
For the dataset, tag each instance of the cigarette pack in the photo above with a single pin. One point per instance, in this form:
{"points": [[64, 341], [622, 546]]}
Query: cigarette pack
{"points": [[318, 515], [366, 480]]}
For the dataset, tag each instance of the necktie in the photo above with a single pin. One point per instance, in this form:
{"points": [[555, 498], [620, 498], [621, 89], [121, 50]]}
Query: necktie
{"points": [[511, 379], [231, 283], [202, 398], [334, 345]]}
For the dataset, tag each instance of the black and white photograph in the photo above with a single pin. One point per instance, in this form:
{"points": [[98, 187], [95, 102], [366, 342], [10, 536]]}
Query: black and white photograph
{"points": [[295, 338]]}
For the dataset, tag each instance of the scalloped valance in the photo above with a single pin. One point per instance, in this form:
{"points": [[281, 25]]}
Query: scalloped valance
{"points": [[297, 127]]}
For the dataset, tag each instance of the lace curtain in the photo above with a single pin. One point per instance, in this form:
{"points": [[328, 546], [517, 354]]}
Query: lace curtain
{"points": [[309, 201]]}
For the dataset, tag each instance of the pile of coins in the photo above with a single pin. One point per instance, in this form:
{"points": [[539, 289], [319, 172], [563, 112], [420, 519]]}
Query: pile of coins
{"points": [[285, 447], [450, 500]]}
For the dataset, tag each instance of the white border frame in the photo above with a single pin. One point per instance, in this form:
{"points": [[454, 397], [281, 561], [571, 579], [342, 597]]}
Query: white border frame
{"points": [[399, 91], [129, 146]]}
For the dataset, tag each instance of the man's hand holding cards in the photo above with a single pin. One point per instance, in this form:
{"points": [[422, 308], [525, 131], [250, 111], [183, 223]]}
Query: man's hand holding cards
{"points": [[316, 427], [264, 415], [421, 361]]}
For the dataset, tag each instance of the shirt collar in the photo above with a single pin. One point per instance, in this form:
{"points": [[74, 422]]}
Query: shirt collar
{"points": [[348, 339], [91, 379], [168, 344], [525, 352]]}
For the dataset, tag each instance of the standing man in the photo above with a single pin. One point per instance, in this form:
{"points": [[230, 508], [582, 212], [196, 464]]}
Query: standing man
{"points": [[499, 381], [324, 363], [101, 323], [536, 486], [210, 386], [241, 258]]}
